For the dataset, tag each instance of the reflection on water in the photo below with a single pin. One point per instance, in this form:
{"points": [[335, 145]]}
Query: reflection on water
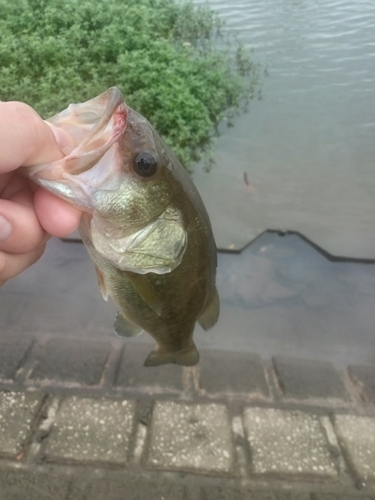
{"points": [[308, 146], [280, 296]]}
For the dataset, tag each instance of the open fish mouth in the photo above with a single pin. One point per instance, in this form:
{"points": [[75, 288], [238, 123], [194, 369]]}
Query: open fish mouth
{"points": [[99, 122], [95, 125]]}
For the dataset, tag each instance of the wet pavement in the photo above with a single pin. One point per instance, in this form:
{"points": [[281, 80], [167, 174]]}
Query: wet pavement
{"points": [[275, 430]]}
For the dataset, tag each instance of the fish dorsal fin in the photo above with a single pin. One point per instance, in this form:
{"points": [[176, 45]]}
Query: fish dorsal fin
{"points": [[145, 289], [102, 283], [211, 313], [125, 328]]}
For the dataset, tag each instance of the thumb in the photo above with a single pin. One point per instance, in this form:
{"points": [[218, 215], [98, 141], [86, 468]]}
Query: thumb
{"points": [[27, 139]]}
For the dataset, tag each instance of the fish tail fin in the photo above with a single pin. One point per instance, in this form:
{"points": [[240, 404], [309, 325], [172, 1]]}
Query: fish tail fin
{"points": [[186, 357]]}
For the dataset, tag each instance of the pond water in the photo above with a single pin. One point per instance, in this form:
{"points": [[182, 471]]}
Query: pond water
{"points": [[308, 149], [279, 296]]}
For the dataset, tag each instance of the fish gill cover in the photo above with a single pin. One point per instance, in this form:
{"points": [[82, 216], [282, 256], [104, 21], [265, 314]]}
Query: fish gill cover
{"points": [[170, 59]]}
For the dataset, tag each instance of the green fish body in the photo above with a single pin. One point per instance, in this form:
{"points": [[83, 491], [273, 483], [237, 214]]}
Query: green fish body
{"points": [[144, 224]]}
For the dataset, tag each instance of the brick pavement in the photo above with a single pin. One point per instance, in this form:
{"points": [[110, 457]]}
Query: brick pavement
{"points": [[85, 420]]}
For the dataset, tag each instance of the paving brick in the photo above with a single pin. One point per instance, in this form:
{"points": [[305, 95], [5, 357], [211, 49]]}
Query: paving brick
{"points": [[364, 379], [130, 486], [222, 493], [232, 373], [17, 415], [327, 496], [132, 373], [357, 436], [191, 437], [292, 496], [91, 430], [234, 494], [302, 379], [72, 361], [32, 485], [13, 349], [287, 443]]}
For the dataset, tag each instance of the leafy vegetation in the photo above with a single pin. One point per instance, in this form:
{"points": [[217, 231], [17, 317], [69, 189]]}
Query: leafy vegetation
{"points": [[169, 59]]}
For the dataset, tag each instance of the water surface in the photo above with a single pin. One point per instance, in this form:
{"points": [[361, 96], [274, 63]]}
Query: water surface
{"points": [[280, 296], [308, 146]]}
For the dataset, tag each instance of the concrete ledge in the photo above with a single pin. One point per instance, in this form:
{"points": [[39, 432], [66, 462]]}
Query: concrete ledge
{"points": [[220, 430]]}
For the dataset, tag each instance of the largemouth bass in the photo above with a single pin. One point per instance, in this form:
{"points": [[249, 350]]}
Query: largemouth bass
{"points": [[144, 224]]}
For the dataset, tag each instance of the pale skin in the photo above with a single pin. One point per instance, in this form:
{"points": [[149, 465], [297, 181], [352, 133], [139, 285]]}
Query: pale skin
{"points": [[29, 215]]}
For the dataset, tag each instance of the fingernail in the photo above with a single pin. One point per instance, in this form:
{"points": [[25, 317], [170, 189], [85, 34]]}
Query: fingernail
{"points": [[5, 228]]}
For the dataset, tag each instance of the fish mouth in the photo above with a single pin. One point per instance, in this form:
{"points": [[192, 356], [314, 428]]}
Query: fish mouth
{"points": [[98, 123], [105, 116], [95, 125]]}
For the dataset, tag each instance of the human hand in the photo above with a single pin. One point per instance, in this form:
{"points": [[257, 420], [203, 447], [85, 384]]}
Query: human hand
{"points": [[29, 215]]}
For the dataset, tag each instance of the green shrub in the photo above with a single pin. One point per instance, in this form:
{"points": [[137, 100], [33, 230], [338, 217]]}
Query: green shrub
{"points": [[168, 58]]}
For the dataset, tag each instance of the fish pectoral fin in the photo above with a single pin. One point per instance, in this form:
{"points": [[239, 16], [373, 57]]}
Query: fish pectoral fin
{"points": [[145, 289], [125, 328], [102, 283], [186, 357], [210, 315]]}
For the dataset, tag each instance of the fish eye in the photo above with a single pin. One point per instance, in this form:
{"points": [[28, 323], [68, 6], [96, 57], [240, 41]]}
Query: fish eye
{"points": [[145, 164]]}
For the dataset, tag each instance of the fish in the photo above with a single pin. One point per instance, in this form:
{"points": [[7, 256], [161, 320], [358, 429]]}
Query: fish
{"points": [[143, 223], [249, 186]]}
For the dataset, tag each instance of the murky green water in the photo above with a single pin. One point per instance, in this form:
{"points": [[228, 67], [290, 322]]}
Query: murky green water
{"points": [[308, 146], [280, 296]]}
